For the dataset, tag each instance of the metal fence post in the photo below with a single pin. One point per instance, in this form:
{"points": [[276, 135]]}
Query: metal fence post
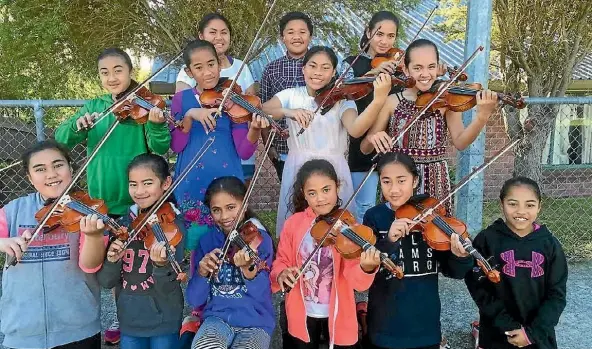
{"points": [[39, 126], [469, 205]]}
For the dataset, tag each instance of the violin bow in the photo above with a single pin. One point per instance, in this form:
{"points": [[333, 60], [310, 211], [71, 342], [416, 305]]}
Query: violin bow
{"points": [[158, 204], [247, 56], [245, 203], [341, 77]]}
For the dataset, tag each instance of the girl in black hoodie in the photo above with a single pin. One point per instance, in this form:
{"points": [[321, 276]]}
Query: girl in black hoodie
{"points": [[523, 309]]}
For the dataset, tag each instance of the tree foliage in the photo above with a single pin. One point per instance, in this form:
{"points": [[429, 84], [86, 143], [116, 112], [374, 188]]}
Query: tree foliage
{"points": [[48, 47], [538, 44]]}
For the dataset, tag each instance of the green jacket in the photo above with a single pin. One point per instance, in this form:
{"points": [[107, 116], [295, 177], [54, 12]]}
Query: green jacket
{"points": [[107, 173]]}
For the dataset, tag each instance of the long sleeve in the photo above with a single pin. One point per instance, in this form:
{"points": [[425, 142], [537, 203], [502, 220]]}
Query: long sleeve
{"points": [[4, 230], [452, 266], [265, 90], [179, 139], [244, 148], [485, 296], [158, 137], [259, 286], [198, 288], [165, 276], [109, 275], [67, 132], [543, 325], [284, 257], [358, 278]]}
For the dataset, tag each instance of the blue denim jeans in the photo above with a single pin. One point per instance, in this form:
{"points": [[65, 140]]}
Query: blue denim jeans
{"points": [[366, 199], [166, 341]]}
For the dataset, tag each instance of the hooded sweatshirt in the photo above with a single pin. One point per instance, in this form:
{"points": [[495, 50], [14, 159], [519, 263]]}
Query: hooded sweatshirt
{"points": [[532, 290], [48, 300], [238, 301], [107, 172], [150, 300], [406, 313]]}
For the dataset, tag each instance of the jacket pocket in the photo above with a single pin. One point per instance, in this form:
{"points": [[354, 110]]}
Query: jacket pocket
{"points": [[19, 296], [138, 311], [76, 307]]}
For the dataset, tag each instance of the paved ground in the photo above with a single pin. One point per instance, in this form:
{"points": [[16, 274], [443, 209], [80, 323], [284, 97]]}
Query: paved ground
{"points": [[458, 310]]}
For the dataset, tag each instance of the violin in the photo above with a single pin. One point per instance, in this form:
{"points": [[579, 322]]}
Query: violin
{"points": [[349, 238], [138, 108], [397, 55], [238, 106], [437, 229], [72, 208], [354, 89], [161, 227], [462, 98], [247, 237]]}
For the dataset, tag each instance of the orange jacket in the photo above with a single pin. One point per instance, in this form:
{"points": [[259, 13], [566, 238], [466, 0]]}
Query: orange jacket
{"points": [[348, 275]]}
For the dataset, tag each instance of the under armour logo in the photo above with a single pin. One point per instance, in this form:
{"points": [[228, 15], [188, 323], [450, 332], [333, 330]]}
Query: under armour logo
{"points": [[511, 264]]}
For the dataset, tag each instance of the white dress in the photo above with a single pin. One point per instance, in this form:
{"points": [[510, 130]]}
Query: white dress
{"points": [[325, 138]]}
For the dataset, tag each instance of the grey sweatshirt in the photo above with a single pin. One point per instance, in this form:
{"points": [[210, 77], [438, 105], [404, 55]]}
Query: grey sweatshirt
{"points": [[47, 300], [150, 300]]}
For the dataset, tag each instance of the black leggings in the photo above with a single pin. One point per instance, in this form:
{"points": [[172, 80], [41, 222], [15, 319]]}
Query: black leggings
{"points": [[315, 327]]}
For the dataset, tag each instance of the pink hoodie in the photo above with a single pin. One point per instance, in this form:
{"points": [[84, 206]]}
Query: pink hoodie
{"points": [[348, 275]]}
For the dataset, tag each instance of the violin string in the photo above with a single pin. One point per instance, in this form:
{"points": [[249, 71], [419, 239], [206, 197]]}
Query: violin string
{"points": [[160, 235], [85, 209]]}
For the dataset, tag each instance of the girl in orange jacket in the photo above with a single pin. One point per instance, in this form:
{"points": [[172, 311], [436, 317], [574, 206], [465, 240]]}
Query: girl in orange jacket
{"points": [[323, 297]]}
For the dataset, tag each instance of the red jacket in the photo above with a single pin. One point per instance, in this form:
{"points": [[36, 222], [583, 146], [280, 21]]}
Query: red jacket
{"points": [[348, 275]]}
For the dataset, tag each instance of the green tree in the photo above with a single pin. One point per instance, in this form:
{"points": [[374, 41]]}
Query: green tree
{"points": [[537, 43]]}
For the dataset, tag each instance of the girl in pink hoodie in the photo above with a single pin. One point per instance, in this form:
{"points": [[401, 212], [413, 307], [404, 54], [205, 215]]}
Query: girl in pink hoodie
{"points": [[322, 298]]}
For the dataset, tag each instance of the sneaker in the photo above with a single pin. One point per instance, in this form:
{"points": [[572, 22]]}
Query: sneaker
{"points": [[475, 333], [112, 334]]}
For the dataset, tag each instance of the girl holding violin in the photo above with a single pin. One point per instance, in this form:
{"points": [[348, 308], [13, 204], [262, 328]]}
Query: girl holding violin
{"points": [[321, 297], [385, 39], [150, 300], [524, 308], [233, 141], [325, 135], [52, 299], [427, 139], [405, 313], [238, 312]]}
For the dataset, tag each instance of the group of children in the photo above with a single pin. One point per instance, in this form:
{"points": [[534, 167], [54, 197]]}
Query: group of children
{"points": [[233, 296]]}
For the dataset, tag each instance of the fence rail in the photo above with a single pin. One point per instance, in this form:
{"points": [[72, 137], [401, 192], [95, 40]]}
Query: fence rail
{"points": [[566, 163]]}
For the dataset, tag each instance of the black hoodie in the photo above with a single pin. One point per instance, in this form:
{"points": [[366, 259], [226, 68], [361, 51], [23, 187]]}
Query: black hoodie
{"points": [[532, 290]]}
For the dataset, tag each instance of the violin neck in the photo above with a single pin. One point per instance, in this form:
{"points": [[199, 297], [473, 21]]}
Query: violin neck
{"points": [[236, 98], [86, 210]]}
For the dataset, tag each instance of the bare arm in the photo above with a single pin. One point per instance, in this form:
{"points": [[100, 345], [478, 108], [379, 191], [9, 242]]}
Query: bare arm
{"points": [[274, 108], [381, 123], [463, 137]]}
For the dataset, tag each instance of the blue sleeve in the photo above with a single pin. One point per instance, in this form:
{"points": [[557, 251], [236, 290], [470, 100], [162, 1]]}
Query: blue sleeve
{"points": [[198, 288], [260, 286]]}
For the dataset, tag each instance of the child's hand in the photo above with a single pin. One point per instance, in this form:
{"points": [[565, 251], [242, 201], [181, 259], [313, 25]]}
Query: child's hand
{"points": [[456, 247], [86, 121], [242, 258], [15, 246], [381, 141], [386, 67], [259, 122], [518, 338], [156, 115], [369, 260], [382, 86], [115, 251], [288, 277], [400, 228], [210, 263], [486, 103], [205, 116], [158, 253], [302, 116], [92, 225]]}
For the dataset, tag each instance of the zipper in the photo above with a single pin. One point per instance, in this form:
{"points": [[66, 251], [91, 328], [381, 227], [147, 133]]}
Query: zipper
{"points": [[336, 306]]}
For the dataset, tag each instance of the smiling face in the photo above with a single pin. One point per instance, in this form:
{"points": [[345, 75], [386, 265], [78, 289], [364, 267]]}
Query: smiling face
{"points": [[521, 208], [224, 209], [423, 67], [217, 32], [115, 74], [145, 187], [385, 37], [204, 68], [318, 71], [320, 192], [296, 37], [397, 184], [49, 172]]}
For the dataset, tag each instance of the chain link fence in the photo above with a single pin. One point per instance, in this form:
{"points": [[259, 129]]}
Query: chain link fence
{"points": [[561, 142]]}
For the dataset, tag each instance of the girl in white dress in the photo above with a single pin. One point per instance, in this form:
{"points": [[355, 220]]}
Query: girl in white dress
{"points": [[325, 136]]}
